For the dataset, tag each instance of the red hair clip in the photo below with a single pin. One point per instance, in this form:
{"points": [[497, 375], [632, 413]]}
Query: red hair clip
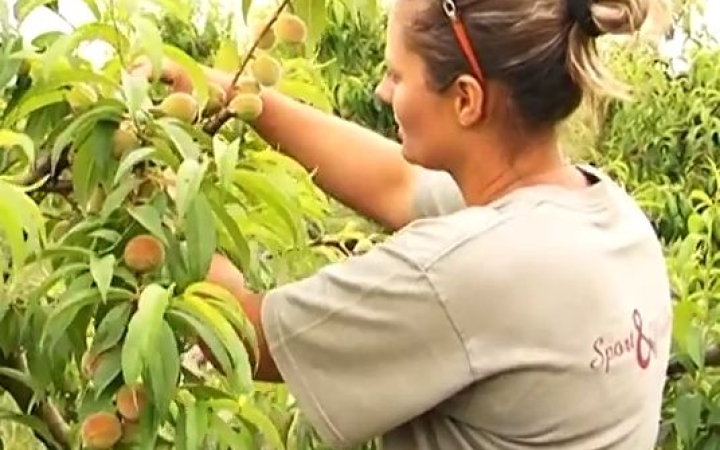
{"points": [[462, 37]]}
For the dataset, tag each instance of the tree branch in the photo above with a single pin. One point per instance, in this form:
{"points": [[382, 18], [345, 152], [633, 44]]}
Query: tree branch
{"points": [[44, 410], [224, 114], [712, 359], [43, 168]]}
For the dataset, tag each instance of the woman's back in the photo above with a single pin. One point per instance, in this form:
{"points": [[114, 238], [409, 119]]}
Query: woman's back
{"points": [[562, 302]]}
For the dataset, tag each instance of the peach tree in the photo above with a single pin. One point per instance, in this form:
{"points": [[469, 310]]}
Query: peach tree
{"points": [[115, 193]]}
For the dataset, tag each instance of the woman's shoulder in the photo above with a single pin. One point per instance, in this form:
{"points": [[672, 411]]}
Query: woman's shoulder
{"points": [[527, 216], [437, 194]]}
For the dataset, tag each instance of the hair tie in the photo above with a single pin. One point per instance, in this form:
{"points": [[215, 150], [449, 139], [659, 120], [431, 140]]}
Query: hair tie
{"points": [[581, 13]]}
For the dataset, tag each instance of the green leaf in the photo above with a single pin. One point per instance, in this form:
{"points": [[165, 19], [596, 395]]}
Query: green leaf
{"points": [[687, 417], [27, 212], [32, 103], [201, 238], [164, 369], [204, 332], [179, 10], [194, 70], [253, 415], [10, 321], [130, 160], [227, 57], [231, 437], [150, 219], [102, 271], [93, 160], [91, 31], [307, 92], [13, 234], [683, 313], [63, 273], [314, 13], [136, 91], [259, 187], [65, 313], [83, 125], [246, 4], [696, 224], [93, 7], [112, 327], [226, 159], [22, 377], [143, 331], [187, 427], [108, 370], [32, 423], [151, 43], [712, 442], [63, 77], [110, 236], [223, 300], [23, 8], [189, 178], [241, 377], [695, 345], [10, 139], [240, 245], [118, 195], [176, 261], [182, 140]]}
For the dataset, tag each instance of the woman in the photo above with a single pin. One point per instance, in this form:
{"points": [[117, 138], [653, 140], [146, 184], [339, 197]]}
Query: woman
{"points": [[523, 302]]}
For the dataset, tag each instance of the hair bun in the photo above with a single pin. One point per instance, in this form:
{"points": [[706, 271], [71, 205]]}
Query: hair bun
{"points": [[580, 11]]}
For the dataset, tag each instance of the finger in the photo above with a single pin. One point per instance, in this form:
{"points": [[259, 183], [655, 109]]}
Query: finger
{"points": [[224, 273], [141, 67], [182, 84]]}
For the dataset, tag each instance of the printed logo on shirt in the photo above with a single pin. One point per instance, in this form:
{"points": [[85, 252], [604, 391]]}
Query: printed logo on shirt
{"points": [[640, 343]]}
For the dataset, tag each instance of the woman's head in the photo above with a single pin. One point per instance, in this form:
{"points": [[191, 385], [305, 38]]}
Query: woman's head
{"points": [[536, 58]]}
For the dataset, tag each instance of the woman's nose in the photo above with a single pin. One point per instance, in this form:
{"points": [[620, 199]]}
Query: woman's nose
{"points": [[383, 91]]}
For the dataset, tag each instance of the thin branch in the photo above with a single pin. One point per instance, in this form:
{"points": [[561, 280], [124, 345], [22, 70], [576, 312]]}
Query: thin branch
{"points": [[62, 187], [43, 168], [224, 114], [268, 25], [712, 359]]}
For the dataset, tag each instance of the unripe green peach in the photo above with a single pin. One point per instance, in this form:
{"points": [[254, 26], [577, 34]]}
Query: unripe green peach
{"points": [[180, 105], [216, 99], [267, 40], [124, 139], [291, 29], [266, 70], [246, 107], [247, 84]]}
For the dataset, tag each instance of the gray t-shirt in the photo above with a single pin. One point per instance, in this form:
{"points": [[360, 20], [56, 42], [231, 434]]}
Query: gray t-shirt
{"points": [[541, 321]]}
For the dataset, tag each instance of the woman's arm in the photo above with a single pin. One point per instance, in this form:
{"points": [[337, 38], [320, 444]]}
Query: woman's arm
{"points": [[359, 167]]}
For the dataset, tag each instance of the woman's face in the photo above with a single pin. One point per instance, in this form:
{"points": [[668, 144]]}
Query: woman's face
{"points": [[425, 119]]}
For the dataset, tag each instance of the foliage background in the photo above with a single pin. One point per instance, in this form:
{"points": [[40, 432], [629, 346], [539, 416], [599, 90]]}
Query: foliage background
{"points": [[663, 147]]}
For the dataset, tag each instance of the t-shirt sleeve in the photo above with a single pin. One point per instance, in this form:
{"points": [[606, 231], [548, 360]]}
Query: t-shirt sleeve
{"points": [[436, 194], [352, 340]]}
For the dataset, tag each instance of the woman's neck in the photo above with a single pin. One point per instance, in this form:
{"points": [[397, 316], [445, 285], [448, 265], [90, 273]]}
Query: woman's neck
{"points": [[488, 175]]}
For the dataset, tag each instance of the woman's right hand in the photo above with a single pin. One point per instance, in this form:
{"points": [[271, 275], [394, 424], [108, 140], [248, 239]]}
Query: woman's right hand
{"points": [[171, 73]]}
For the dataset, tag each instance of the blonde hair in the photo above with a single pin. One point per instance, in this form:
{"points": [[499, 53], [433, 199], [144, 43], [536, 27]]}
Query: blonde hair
{"points": [[543, 56], [611, 17]]}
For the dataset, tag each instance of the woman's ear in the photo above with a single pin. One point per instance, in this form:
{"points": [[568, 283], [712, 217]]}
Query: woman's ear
{"points": [[469, 100]]}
